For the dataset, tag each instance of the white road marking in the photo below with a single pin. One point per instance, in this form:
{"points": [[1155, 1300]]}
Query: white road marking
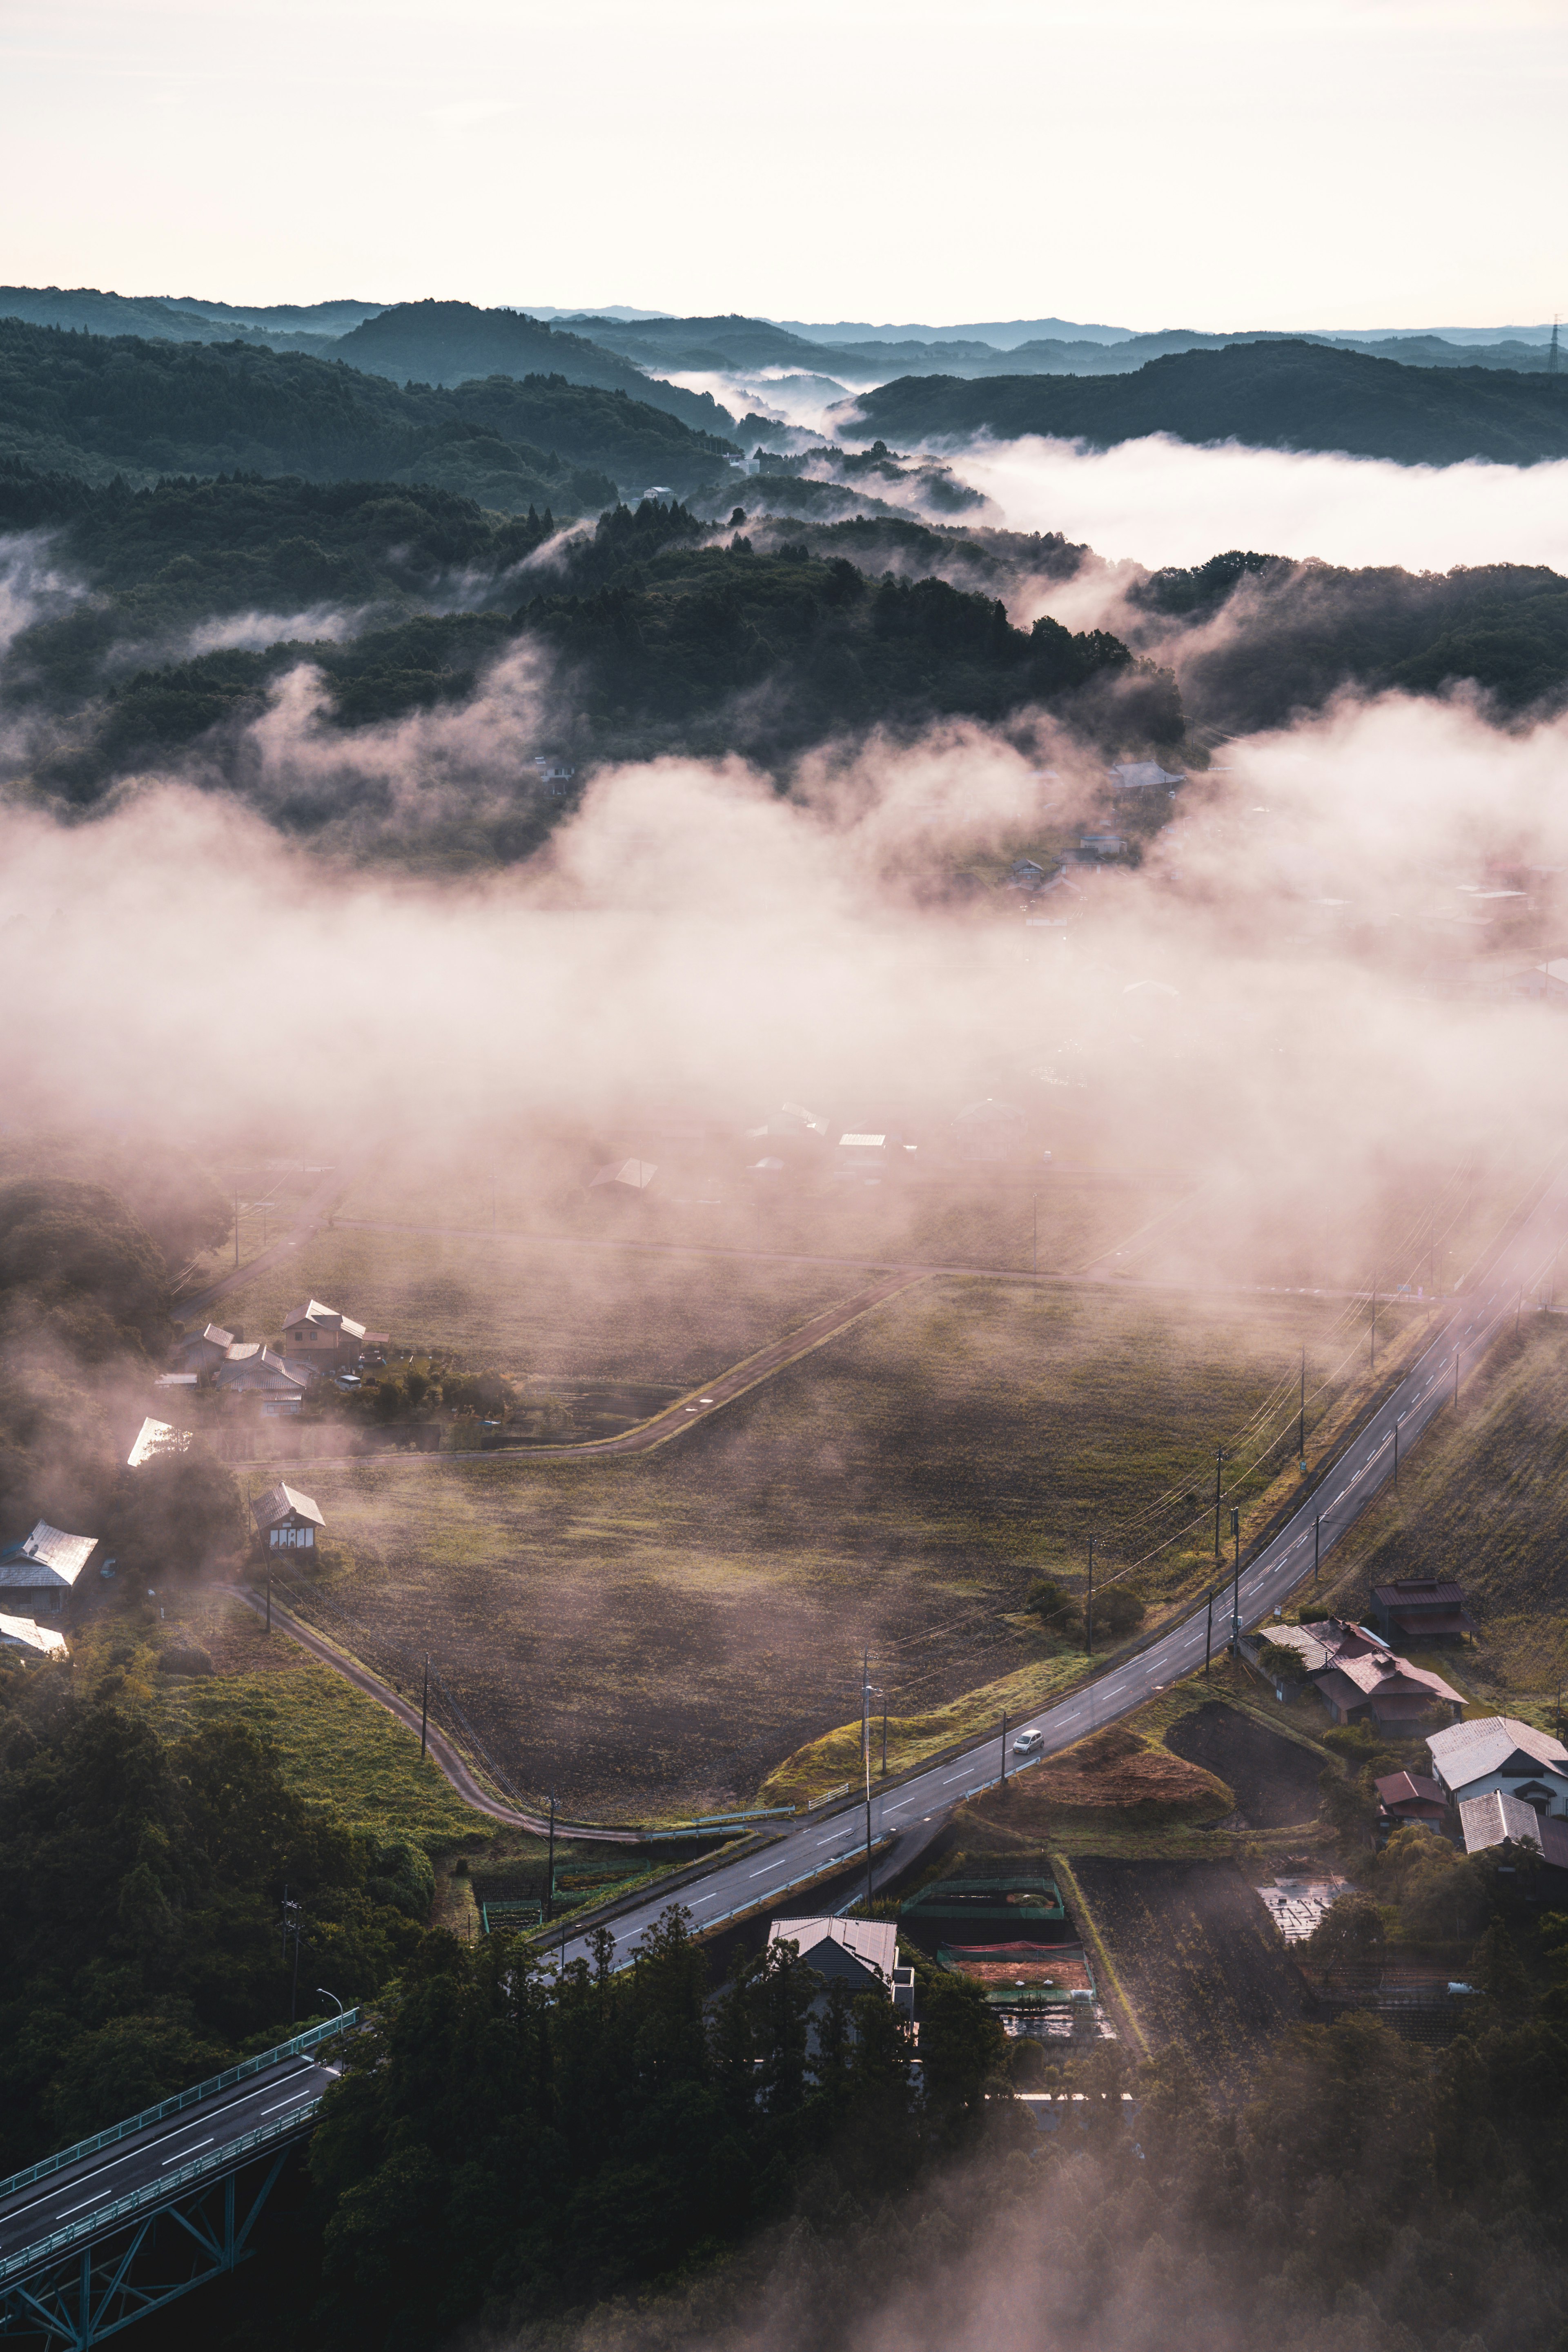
{"points": [[180, 2158], [67, 2210], [289, 2101]]}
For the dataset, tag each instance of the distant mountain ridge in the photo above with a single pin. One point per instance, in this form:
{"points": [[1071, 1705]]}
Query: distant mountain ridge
{"points": [[1273, 396]]}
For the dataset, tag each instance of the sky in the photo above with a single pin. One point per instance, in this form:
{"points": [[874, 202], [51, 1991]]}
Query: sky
{"points": [[1215, 163]]}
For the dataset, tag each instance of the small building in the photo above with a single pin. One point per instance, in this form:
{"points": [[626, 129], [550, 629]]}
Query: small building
{"points": [[251, 1370], [1499, 1754], [1420, 1608], [39, 1576], [1380, 1688], [861, 1953], [1498, 1819], [287, 1520], [1143, 776], [1104, 845], [1407, 1797], [325, 1339], [202, 1351], [622, 1180], [34, 1641]]}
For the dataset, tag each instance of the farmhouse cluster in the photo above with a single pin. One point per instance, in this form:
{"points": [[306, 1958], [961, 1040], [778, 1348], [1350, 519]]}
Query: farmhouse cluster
{"points": [[318, 1340]]}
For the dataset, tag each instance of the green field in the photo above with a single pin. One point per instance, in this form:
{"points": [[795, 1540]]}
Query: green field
{"points": [[656, 1634]]}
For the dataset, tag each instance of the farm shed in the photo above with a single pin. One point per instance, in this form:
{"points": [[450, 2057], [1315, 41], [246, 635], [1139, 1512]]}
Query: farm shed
{"points": [[38, 1575], [1410, 1797], [1498, 1752], [1420, 1608], [287, 1520]]}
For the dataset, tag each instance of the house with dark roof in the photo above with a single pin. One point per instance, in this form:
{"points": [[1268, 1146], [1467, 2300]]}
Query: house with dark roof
{"points": [[203, 1350], [1383, 1690], [860, 1953], [1406, 1798], [39, 1574], [1497, 1753], [251, 1370], [287, 1520], [1420, 1608], [1498, 1819]]}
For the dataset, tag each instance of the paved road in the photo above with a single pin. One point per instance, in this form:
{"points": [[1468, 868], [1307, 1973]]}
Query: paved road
{"points": [[67, 2198], [1337, 1501], [313, 1215]]}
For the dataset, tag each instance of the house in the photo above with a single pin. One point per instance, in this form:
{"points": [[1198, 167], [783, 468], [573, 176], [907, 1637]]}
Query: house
{"points": [[1498, 1819], [623, 1180], [1142, 776], [1420, 1608], [202, 1351], [34, 1641], [287, 1520], [156, 1437], [1499, 1753], [1407, 1797], [1376, 1686], [861, 1953], [38, 1575], [1104, 845], [325, 1339], [251, 1370]]}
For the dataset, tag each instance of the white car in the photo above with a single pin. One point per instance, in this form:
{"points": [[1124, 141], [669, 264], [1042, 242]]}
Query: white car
{"points": [[1028, 1743]]}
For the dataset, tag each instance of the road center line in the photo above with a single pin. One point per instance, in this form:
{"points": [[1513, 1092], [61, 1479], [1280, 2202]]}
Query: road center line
{"points": [[180, 2158], [67, 2209]]}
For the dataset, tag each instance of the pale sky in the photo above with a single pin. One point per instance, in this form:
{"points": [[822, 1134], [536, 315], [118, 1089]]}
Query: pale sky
{"points": [[1193, 162]]}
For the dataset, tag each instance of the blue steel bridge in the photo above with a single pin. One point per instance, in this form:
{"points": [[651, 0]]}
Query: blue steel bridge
{"points": [[95, 2238]]}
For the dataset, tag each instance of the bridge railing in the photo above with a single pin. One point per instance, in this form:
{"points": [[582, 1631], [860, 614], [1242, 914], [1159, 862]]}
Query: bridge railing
{"points": [[154, 2193], [296, 2048]]}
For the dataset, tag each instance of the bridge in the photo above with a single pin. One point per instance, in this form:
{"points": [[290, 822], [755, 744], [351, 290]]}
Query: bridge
{"points": [[95, 2238]]}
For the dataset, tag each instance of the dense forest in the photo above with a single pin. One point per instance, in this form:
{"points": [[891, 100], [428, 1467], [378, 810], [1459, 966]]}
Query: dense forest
{"points": [[1273, 396], [100, 407]]}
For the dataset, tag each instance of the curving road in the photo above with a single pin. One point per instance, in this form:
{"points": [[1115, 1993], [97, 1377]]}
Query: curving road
{"points": [[815, 1845]]}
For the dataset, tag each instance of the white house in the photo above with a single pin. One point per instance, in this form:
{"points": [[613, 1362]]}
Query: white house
{"points": [[287, 1520], [1501, 1753]]}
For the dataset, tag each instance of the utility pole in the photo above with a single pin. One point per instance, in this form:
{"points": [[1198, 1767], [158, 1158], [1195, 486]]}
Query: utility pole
{"points": [[884, 1735], [291, 1927], [1089, 1613], [1235, 1592], [1397, 1452], [236, 1229], [1036, 1255], [549, 1868], [1374, 1322], [1218, 1458], [1317, 1542], [1302, 1433], [1208, 1635], [1456, 1372], [1004, 1751], [866, 1744], [425, 1714]]}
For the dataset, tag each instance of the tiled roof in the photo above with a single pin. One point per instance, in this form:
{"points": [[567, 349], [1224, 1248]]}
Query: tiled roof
{"points": [[1424, 1592]]}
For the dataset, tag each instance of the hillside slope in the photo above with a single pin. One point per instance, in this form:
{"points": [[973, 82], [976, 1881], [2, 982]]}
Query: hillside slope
{"points": [[1284, 395], [1484, 1500], [451, 342], [98, 406]]}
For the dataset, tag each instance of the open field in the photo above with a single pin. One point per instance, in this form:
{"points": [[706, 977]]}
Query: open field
{"points": [[1484, 1500], [1194, 1956], [657, 1635]]}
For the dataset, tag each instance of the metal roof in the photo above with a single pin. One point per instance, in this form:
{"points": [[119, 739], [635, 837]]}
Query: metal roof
{"points": [[1468, 1752], [61, 1557], [279, 1502], [21, 1634], [1497, 1818], [1418, 1592], [156, 1437], [873, 1942]]}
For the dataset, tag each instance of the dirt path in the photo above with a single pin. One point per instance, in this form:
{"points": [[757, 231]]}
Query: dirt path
{"points": [[448, 1761]]}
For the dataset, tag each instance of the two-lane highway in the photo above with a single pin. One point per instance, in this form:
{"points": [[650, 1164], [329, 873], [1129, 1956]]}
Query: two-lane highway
{"points": [[813, 1845]]}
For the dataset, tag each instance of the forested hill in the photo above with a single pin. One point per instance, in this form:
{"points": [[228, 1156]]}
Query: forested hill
{"points": [[449, 342], [1286, 396], [98, 406]]}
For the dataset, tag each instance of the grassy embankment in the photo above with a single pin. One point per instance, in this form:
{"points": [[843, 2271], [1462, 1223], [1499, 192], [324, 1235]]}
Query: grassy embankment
{"points": [[656, 1634], [1483, 1499]]}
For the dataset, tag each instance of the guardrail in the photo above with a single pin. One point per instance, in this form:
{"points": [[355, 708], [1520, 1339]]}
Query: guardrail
{"points": [[309, 2039], [153, 2193]]}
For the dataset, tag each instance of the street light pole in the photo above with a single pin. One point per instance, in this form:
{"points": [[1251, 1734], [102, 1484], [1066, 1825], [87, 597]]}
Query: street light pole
{"points": [[329, 1996], [865, 1746], [1004, 1751], [549, 1866], [1235, 1592], [1218, 1458]]}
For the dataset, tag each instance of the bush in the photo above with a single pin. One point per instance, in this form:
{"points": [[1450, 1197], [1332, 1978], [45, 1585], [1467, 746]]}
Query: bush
{"points": [[1059, 1611], [185, 1658], [403, 1876], [1118, 1612]]}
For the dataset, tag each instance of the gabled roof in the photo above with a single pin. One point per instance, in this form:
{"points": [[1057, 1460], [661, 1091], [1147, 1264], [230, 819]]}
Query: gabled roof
{"points": [[254, 1365], [325, 1318], [21, 1634], [1468, 1752], [1381, 1675], [47, 1556], [873, 1942], [213, 1334], [279, 1502], [1398, 1788], [1418, 1592]]}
